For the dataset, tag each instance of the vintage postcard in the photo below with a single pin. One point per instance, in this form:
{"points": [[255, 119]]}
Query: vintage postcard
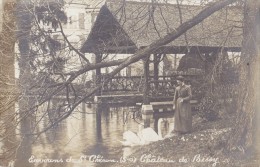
{"points": [[129, 83]]}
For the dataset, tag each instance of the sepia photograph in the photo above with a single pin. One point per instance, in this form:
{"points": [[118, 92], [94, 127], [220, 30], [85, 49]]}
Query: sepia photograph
{"points": [[129, 83]]}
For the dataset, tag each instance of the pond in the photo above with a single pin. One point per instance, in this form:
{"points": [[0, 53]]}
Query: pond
{"points": [[82, 135]]}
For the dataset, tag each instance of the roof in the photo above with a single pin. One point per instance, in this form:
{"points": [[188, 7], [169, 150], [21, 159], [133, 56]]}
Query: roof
{"points": [[125, 26]]}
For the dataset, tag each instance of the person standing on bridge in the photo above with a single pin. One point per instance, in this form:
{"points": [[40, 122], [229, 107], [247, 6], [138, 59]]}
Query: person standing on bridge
{"points": [[182, 115]]}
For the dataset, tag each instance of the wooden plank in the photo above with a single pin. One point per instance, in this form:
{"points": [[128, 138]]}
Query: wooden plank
{"points": [[167, 103], [124, 95], [127, 98]]}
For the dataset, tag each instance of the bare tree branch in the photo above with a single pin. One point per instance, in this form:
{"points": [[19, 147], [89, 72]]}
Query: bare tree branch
{"points": [[142, 53], [70, 46]]}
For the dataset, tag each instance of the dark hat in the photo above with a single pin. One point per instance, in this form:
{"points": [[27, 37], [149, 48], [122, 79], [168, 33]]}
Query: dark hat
{"points": [[180, 78]]}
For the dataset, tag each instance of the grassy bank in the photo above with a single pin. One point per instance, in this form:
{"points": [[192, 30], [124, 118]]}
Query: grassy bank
{"points": [[204, 147]]}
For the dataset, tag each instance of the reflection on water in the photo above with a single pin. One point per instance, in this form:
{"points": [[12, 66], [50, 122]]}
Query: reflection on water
{"points": [[82, 134]]}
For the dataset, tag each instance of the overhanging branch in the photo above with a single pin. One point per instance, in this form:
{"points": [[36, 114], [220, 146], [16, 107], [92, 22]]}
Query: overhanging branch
{"points": [[141, 53]]}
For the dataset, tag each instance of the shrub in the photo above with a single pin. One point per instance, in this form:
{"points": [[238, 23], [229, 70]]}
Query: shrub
{"points": [[208, 108]]}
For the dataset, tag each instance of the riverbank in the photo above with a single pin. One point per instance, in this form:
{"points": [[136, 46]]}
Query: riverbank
{"points": [[204, 147]]}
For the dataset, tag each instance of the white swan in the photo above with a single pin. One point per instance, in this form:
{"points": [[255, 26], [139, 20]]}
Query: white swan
{"points": [[144, 136], [131, 139]]}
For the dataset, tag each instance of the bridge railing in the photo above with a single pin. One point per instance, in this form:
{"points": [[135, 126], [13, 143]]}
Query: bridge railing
{"points": [[163, 87], [125, 84]]}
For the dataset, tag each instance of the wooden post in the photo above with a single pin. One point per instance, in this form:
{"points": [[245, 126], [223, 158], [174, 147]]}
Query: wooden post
{"points": [[146, 80], [156, 119], [98, 108], [156, 61], [175, 61], [83, 107], [165, 61], [147, 109], [147, 114], [128, 71], [98, 59]]}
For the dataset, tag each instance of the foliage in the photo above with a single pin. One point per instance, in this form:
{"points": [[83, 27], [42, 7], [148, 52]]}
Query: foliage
{"points": [[208, 108], [190, 61], [229, 73], [212, 100], [198, 89]]}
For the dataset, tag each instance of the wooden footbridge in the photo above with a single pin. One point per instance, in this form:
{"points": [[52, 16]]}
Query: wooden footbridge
{"points": [[155, 98], [121, 36]]}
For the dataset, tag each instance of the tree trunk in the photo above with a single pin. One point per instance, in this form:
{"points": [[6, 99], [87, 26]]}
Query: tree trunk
{"points": [[245, 135], [27, 118], [7, 83]]}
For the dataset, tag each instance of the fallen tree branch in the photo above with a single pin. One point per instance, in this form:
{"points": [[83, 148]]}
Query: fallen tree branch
{"points": [[141, 53]]}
